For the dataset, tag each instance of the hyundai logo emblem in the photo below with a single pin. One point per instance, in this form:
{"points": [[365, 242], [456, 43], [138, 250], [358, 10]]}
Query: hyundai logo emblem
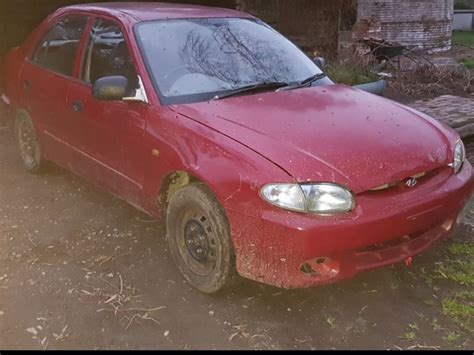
{"points": [[411, 182]]}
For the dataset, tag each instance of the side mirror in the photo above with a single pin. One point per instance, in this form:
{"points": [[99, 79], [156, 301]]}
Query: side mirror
{"points": [[110, 88]]}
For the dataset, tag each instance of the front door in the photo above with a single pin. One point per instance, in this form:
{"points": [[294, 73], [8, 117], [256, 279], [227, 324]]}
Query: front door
{"points": [[112, 132]]}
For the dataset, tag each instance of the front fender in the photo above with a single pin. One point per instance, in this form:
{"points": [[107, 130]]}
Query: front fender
{"points": [[232, 171]]}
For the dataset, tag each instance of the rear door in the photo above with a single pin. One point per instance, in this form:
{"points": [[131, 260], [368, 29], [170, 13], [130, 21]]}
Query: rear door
{"points": [[45, 80]]}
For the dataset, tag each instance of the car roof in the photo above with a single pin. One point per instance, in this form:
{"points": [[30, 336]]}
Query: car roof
{"points": [[149, 11]]}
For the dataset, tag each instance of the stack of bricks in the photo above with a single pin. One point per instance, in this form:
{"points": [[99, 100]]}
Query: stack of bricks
{"points": [[456, 112]]}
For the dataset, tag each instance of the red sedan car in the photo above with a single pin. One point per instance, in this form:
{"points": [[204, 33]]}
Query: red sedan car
{"points": [[261, 165]]}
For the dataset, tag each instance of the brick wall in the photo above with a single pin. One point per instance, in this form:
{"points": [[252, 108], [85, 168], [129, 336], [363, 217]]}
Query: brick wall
{"points": [[415, 23]]}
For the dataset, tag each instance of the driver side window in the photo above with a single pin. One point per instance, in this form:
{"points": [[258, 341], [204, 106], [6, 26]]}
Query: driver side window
{"points": [[107, 54]]}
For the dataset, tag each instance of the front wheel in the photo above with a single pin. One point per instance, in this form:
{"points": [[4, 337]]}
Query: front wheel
{"points": [[27, 143], [199, 239]]}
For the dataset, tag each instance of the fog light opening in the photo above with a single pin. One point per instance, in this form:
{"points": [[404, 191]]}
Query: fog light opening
{"points": [[308, 270], [325, 268]]}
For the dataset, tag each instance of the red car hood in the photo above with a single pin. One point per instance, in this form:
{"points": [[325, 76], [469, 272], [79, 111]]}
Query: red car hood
{"points": [[331, 134]]}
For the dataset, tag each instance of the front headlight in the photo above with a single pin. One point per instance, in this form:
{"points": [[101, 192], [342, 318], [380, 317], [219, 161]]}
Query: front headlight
{"points": [[459, 157], [322, 199]]}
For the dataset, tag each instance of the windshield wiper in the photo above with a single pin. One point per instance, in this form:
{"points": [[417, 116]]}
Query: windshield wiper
{"points": [[253, 87], [305, 83]]}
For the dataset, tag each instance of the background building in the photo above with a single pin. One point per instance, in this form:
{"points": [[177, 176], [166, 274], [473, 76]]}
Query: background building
{"points": [[311, 24]]}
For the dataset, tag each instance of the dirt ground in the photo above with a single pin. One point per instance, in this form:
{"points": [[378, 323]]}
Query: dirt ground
{"points": [[82, 270]]}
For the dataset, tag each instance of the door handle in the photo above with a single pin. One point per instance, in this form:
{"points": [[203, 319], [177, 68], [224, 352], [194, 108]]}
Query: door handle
{"points": [[77, 106]]}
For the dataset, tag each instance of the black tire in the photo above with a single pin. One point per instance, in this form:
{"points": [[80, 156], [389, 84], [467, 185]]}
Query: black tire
{"points": [[28, 146], [196, 222]]}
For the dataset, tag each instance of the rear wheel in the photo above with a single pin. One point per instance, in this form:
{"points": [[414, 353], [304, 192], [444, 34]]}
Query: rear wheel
{"points": [[27, 143], [199, 239]]}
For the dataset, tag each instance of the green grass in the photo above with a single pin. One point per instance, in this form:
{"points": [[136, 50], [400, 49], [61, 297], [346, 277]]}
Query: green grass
{"points": [[460, 269], [463, 4], [351, 75], [462, 249], [463, 38], [460, 309], [469, 63], [451, 337], [331, 322], [409, 336]]}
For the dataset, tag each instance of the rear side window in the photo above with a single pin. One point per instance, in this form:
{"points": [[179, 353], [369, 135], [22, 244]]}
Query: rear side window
{"points": [[57, 50], [107, 54]]}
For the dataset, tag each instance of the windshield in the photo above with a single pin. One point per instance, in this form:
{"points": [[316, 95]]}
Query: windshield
{"points": [[194, 60]]}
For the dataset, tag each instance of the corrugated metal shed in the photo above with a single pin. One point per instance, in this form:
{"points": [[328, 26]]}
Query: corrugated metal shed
{"points": [[424, 24]]}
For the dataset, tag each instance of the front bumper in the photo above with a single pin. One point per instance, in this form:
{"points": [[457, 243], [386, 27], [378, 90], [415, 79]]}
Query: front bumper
{"points": [[293, 250]]}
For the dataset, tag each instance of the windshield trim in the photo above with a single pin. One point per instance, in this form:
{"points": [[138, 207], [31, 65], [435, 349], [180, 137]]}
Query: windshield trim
{"points": [[192, 98]]}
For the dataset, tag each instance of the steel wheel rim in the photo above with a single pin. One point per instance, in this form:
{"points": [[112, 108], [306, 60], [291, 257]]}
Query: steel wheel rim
{"points": [[197, 243], [27, 142]]}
